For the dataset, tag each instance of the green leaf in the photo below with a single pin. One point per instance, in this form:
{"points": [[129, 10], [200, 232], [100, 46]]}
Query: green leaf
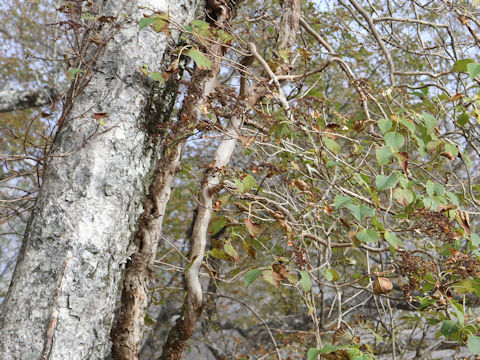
{"points": [[306, 281], [429, 121], [467, 286], [144, 22], [360, 212], [247, 183], [429, 282], [224, 36], [403, 196], [200, 24], [430, 187], [331, 145], [439, 189], [341, 200], [473, 70], [251, 276], [157, 77], [386, 182], [452, 149], [475, 239], [459, 312], [377, 223], [394, 139], [473, 344], [409, 124], [216, 225], [331, 274], [328, 348], [292, 278], [393, 240], [312, 353], [219, 254], [368, 236], [461, 65], [384, 155], [384, 125], [161, 23], [72, 72], [230, 250], [200, 59], [449, 328], [463, 119]]}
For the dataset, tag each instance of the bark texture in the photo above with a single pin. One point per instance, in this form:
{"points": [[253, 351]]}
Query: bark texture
{"points": [[61, 300], [128, 332], [11, 100]]}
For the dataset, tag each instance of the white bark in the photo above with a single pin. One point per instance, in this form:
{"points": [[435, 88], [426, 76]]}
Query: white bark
{"points": [[62, 297], [11, 100]]}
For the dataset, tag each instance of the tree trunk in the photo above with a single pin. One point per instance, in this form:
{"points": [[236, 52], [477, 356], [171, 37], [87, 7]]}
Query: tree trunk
{"points": [[62, 297], [128, 331]]}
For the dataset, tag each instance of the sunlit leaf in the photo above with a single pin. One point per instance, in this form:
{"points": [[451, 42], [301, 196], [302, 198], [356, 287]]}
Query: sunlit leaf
{"points": [[403, 196], [473, 344], [384, 125], [461, 65], [312, 353], [368, 236], [473, 70], [200, 59], [394, 139], [384, 155], [429, 121]]}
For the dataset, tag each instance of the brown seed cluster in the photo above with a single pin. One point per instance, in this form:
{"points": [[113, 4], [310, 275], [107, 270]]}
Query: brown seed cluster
{"points": [[432, 224], [413, 267], [464, 265]]}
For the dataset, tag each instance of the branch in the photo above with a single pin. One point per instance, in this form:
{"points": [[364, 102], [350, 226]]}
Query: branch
{"points": [[11, 100]]}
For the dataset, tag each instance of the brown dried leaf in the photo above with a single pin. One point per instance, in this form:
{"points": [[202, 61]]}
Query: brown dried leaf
{"points": [[327, 209], [302, 185], [404, 160], [448, 155], [100, 115], [465, 222], [253, 229], [382, 285], [272, 277]]}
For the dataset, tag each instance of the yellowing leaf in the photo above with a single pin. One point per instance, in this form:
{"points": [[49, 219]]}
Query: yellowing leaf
{"points": [[272, 277], [230, 250]]}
